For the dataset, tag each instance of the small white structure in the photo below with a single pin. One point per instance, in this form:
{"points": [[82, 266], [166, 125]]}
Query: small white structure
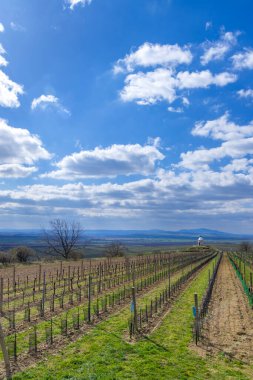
{"points": [[200, 241]]}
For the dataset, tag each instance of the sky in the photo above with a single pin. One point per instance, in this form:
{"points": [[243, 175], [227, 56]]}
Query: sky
{"points": [[126, 114]]}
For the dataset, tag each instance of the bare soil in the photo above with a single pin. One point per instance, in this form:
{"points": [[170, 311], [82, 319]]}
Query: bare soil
{"points": [[228, 328]]}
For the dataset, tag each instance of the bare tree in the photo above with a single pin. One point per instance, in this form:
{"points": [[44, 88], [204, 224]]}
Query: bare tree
{"points": [[63, 237], [115, 249], [245, 247]]}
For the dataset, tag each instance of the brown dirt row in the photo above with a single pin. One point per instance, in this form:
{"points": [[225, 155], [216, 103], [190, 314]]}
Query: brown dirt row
{"points": [[228, 328]]}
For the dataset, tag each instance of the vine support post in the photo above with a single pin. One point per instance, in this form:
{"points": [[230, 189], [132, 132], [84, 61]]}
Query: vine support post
{"points": [[5, 354], [196, 304], [1, 294], [169, 274], [134, 308], [89, 299]]}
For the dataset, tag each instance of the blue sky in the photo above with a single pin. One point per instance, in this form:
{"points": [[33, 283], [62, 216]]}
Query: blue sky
{"points": [[126, 114]]}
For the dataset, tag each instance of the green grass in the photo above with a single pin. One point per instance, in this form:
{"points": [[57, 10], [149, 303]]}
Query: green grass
{"points": [[104, 354]]}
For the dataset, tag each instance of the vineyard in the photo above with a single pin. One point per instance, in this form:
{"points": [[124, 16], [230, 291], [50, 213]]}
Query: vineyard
{"points": [[101, 315]]}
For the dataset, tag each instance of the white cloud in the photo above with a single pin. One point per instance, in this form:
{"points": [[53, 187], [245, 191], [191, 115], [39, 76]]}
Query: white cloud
{"points": [[163, 81], [154, 141], [216, 50], [9, 91], [1, 28], [154, 55], [245, 93], [238, 165], [222, 129], [203, 79], [16, 171], [176, 109], [201, 158], [108, 162], [3, 61], [238, 143], [162, 84], [185, 101], [209, 25], [19, 150], [138, 202], [45, 102], [224, 191], [17, 27], [243, 60], [73, 3], [151, 87]]}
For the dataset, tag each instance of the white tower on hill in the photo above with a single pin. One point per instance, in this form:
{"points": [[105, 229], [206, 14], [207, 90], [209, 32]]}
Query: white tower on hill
{"points": [[200, 241]]}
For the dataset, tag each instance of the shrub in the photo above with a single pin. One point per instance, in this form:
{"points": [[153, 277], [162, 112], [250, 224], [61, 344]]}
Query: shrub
{"points": [[5, 257], [76, 255], [22, 254], [115, 249]]}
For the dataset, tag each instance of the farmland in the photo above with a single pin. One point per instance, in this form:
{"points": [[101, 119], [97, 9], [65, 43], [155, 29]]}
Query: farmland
{"points": [[72, 319]]}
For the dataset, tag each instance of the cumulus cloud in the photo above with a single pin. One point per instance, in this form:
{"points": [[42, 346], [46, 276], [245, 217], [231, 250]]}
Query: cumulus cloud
{"points": [[108, 162], [222, 129], [1, 28], [151, 87], [176, 109], [16, 171], [243, 60], [73, 3], [239, 165], [177, 191], [204, 79], [3, 61], [142, 200], [19, 150], [201, 158], [223, 191], [245, 93], [152, 73], [154, 55], [45, 102], [162, 84], [9, 90], [216, 50], [238, 142]]}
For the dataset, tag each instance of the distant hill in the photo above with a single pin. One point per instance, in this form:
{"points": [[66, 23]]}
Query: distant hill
{"points": [[160, 234], [10, 238]]}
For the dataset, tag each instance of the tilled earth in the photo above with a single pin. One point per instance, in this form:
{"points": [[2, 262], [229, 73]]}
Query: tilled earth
{"points": [[229, 325]]}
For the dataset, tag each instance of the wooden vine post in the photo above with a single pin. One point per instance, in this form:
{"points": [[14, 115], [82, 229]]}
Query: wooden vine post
{"points": [[1, 294], [196, 303], [14, 279], [5, 354], [134, 308], [169, 274], [39, 276], [89, 299]]}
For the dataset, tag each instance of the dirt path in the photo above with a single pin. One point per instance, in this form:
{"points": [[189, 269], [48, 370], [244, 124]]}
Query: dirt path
{"points": [[229, 324]]}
